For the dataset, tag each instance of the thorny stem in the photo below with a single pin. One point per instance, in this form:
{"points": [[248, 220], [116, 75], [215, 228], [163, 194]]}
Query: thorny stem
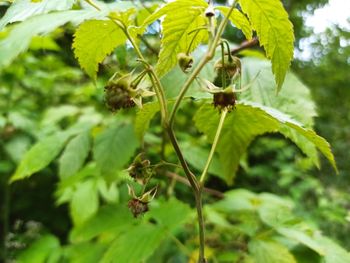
{"points": [[214, 145]]}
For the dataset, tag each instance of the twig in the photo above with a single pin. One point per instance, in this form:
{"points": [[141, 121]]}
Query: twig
{"points": [[246, 44], [184, 181]]}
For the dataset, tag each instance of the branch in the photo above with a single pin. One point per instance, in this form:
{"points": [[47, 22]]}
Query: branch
{"points": [[184, 181], [246, 44]]}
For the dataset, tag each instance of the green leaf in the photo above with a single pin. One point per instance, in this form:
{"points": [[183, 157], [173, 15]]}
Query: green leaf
{"points": [[245, 123], [113, 148], [144, 117], [241, 126], [20, 36], [197, 156], [54, 115], [275, 32], [84, 252], [93, 41], [305, 237], [138, 242], [181, 18], [334, 253], [170, 214], [40, 250], [239, 20], [40, 155], [74, 155], [109, 219], [270, 252], [84, 203], [23, 9], [294, 99], [135, 245]]}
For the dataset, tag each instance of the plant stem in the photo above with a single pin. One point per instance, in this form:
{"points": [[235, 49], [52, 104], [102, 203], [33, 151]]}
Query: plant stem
{"points": [[214, 145], [209, 56], [190, 176], [201, 226]]}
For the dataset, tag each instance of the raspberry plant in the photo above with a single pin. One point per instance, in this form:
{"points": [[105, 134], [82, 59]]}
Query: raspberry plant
{"points": [[191, 35]]}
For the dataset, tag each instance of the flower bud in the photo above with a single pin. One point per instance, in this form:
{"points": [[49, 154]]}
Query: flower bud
{"points": [[185, 62]]}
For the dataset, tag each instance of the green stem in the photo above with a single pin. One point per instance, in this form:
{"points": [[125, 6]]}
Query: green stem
{"points": [[223, 71], [201, 226], [209, 56], [214, 145], [190, 176], [90, 2]]}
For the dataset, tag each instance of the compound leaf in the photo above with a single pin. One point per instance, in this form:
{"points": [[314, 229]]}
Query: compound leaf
{"points": [[93, 41], [275, 32], [246, 122]]}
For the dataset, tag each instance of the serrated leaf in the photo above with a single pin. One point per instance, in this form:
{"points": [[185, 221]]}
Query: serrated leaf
{"points": [[40, 155], [84, 203], [240, 128], [269, 19], [245, 123], [74, 155], [239, 20], [294, 99], [144, 117], [270, 252], [113, 148], [20, 36], [181, 18], [93, 41], [23, 9]]}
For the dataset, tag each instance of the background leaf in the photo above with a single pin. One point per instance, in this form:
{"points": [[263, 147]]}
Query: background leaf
{"points": [[40, 250], [22, 9], [40, 155], [74, 155], [84, 202], [270, 252], [93, 41], [144, 117], [114, 147], [19, 38]]}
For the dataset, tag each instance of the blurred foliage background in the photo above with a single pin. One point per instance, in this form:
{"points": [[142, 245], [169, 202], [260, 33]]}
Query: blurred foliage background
{"points": [[45, 91]]}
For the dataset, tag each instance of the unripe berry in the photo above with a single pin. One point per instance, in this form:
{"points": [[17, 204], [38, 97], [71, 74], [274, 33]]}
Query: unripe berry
{"points": [[185, 62]]}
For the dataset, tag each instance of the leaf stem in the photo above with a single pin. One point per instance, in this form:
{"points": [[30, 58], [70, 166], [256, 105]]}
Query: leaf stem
{"points": [[214, 145]]}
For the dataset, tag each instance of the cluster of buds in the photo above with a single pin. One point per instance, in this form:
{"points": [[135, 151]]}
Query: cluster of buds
{"points": [[227, 70], [223, 90], [141, 171], [123, 92]]}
